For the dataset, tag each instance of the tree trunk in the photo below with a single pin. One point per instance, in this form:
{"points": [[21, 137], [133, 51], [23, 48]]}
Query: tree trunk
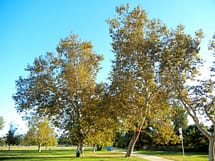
{"points": [[94, 148], [211, 148], [39, 148], [98, 147], [134, 138], [80, 147], [132, 143]]}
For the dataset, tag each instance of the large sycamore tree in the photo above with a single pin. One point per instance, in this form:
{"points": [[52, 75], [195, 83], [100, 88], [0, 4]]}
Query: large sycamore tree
{"points": [[62, 87], [138, 93]]}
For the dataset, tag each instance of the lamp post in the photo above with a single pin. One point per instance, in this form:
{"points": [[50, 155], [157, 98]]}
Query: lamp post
{"points": [[182, 143]]}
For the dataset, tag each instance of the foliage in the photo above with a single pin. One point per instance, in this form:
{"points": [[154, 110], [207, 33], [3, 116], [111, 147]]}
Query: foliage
{"points": [[2, 141], [194, 140], [63, 87], [195, 93], [45, 134], [30, 137], [104, 127], [40, 133], [137, 89], [1, 122], [154, 80], [122, 140], [11, 138], [179, 117], [64, 139]]}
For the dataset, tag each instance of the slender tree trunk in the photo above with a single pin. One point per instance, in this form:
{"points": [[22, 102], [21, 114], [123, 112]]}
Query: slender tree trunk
{"points": [[80, 147], [39, 148], [94, 148], [132, 143], [211, 148]]}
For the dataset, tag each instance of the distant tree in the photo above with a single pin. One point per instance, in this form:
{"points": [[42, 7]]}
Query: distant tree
{"points": [[2, 141], [44, 134], [40, 133], [30, 138], [1, 122], [10, 136], [122, 139], [194, 139]]}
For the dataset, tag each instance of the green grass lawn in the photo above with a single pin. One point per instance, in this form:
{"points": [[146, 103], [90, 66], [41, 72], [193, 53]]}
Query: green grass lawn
{"points": [[61, 154], [68, 154], [177, 156]]}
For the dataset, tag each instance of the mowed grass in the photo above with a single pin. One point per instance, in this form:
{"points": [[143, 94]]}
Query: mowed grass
{"points": [[177, 156], [68, 154], [61, 154]]}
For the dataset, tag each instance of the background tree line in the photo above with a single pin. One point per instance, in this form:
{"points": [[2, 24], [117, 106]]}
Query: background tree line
{"points": [[38, 135], [154, 79]]}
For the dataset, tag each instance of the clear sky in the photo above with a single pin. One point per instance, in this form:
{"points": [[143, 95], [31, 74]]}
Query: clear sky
{"points": [[29, 28]]}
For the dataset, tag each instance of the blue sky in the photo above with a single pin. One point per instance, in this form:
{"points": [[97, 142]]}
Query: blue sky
{"points": [[29, 28]]}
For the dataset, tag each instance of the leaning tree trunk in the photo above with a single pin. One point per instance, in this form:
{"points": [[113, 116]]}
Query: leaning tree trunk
{"points": [[132, 143], [135, 137], [211, 148]]}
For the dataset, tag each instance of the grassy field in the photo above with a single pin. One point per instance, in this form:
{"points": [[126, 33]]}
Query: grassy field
{"points": [[60, 154], [68, 154], [177, 156]]}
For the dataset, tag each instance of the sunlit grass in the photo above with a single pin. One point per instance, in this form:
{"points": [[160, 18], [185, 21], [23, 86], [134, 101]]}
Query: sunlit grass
{"points": [[61, 154], [23, 153], [35, 148], [177, 156]]}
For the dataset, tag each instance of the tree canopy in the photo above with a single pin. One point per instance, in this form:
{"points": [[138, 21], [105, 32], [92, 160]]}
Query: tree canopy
{"points": [[62, 86], [137, 87]]}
